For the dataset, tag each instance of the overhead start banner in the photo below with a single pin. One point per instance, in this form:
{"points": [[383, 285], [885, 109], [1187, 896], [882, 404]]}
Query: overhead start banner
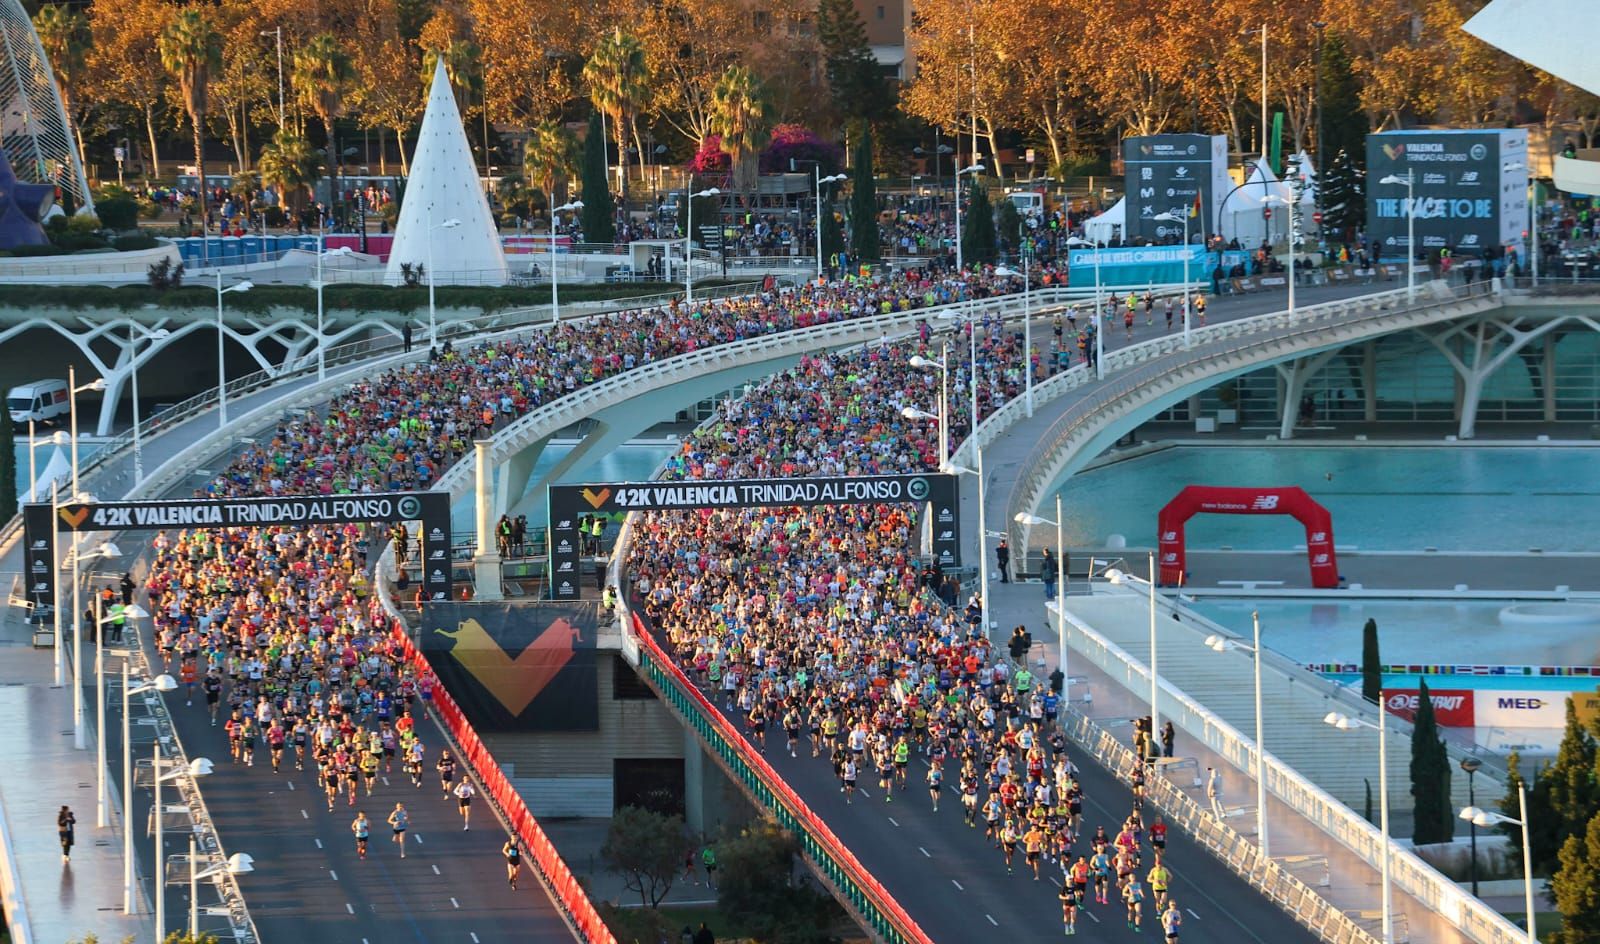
{"points": [[432, 509], [569, 502], [522, 667]]}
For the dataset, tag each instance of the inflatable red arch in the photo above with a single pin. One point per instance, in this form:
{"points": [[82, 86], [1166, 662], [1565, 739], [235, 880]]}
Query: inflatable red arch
{"points": [[1220, 500]]}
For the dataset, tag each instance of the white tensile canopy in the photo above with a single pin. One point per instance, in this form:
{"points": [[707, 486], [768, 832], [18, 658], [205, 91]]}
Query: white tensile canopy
{"points": [[1109, 226]]}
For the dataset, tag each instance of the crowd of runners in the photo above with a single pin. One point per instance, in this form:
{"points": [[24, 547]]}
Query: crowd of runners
{"points": [[823, 625]]}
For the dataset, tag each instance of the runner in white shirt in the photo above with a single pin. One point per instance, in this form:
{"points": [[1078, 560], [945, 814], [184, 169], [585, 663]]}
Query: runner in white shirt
{"points": [[464, 792]]}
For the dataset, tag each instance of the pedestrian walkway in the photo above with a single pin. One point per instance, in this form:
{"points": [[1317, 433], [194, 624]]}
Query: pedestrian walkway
{"points": [[1313, 855], [63, 900]]}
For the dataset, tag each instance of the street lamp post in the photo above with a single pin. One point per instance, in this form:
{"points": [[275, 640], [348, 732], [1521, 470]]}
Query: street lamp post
{"points": [[1223, 644], [1027, 325], [836, 178], [240, 863], [943, 366], [158, 334], [983, 533], [102, 772], [222, 370], [433, 318], [1184, 218], [1408, 179], [1346, 723], [1471, 765], [555, 296], [974, 169], [688, 239], [57, 438], [283, 116], [161, 683], [199, 767], [1289, 207], [79, 713], [1479, 817], [1061, 583], [323, 250]]}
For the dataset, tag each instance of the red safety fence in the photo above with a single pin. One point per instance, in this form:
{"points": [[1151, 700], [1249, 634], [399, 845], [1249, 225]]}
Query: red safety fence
{"points": [[568, 892], [813, 823]]}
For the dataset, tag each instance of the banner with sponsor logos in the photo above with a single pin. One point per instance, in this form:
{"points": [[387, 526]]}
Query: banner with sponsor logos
{"points": [[1453, 707], [1469, 189], [1216, 499], [1176, 174], [568, 503], [1496, 708], [432, 509], [517, 667], [39, 550]]}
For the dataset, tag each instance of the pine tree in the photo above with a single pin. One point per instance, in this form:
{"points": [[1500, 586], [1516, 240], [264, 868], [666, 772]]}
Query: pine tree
{"points": [[858, 87], [864, 204], [1371, 664], [1511, 806], [1344, 123], [8, 468], [977, 228], [832, 235], [1433, 819], [599, 218], [1564, 796], [1344, 198], [1576, 886]]}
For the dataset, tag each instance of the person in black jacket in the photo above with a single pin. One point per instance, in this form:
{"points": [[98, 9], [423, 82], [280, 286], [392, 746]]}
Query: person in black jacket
{"points": [[65, 822]]}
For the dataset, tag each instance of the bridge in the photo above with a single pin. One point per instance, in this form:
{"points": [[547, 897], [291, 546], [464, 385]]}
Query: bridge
{"points": [[753, 361]]}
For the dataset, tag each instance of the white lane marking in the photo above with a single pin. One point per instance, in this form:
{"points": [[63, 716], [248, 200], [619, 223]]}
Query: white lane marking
{"points": [[455, 903], [385, 780], [291, 784], [436, 870], [365, 941], [992, 920], [1192, 914], [957, 885], [474, 937], [318, 842], [333, 875], [1089, 913], [892, 820], [418, 839], [304, 815], [349, 907], [924, 851]]}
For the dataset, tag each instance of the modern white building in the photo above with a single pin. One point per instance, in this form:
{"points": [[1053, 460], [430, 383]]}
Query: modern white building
{"points": [[445, 223], [38, 137]]}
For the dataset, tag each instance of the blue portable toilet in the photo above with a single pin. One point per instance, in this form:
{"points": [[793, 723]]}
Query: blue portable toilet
{"points": [[188, 250], [250, 248], [228, 250]]}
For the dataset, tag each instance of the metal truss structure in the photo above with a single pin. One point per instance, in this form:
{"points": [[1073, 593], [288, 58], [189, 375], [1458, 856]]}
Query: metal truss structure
{"points": [[34, 128]]}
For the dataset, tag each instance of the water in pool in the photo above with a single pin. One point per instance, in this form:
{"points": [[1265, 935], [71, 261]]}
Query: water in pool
{"points": [[1455, 498]]}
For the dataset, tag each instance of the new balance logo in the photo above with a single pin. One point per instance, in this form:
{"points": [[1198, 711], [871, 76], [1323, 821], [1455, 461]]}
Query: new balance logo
{"points": [[1264, 503]]}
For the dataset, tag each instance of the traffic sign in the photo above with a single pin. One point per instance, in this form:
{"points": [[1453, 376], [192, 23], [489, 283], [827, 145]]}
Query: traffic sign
{"points": [[1317, 217], [1266, 213]]}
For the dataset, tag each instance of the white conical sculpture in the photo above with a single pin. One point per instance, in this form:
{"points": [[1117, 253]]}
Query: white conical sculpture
{"points": [[444, 187]]}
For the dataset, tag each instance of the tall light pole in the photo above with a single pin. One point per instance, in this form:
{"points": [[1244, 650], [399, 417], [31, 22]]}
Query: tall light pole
{"points": [[1289, 207], [161, 683], [1184, 218], [974, 169], [80, 736], [240, 863], [158, 334], [433, 317], [323, 250], [1346, 723], [1471, 765], [57, 438], [1411, 229], [1265, 150], [983, 532], [1027, 325], [555, 296], [836, 178], [222, 369], [943, 366], [102, 799], [688, 239], [1479, 817], [199, 767], [1061, 582], [1224, 644], [283, 116], [96, 385]]}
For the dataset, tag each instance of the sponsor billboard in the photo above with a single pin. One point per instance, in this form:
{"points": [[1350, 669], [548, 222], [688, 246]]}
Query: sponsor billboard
{"points": [[1469, 189], [569, 502], [523, 667], [1453, 707], [1170, 173], [38, 539]]}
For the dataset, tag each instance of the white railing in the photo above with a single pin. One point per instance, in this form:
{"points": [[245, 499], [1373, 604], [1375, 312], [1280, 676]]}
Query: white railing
{"points": [[1418, 879]]}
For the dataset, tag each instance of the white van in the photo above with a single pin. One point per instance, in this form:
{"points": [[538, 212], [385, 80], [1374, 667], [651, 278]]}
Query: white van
{"points": [[40, 401]]}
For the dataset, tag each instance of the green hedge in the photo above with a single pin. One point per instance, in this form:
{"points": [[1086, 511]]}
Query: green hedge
{"points": [[338, 297]]}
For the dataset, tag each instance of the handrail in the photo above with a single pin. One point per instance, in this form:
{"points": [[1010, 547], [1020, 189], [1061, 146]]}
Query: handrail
{"points": [[567, 892], [871, 900]]}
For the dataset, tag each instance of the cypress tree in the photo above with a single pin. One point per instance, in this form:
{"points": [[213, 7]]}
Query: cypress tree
{"points": [[1564, 796], [832, 235], [1371, 665], [977, 227], [599, 218], [1576, 886], [8, 468], [864, 204], [1433, 819]]}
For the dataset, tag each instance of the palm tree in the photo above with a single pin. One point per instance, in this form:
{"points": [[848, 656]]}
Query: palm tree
{"points": [[64, 34], [322, 74], [740, 113], [290, 166], [191, 48], [463, 65], [550, 156], [619, 85]]}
